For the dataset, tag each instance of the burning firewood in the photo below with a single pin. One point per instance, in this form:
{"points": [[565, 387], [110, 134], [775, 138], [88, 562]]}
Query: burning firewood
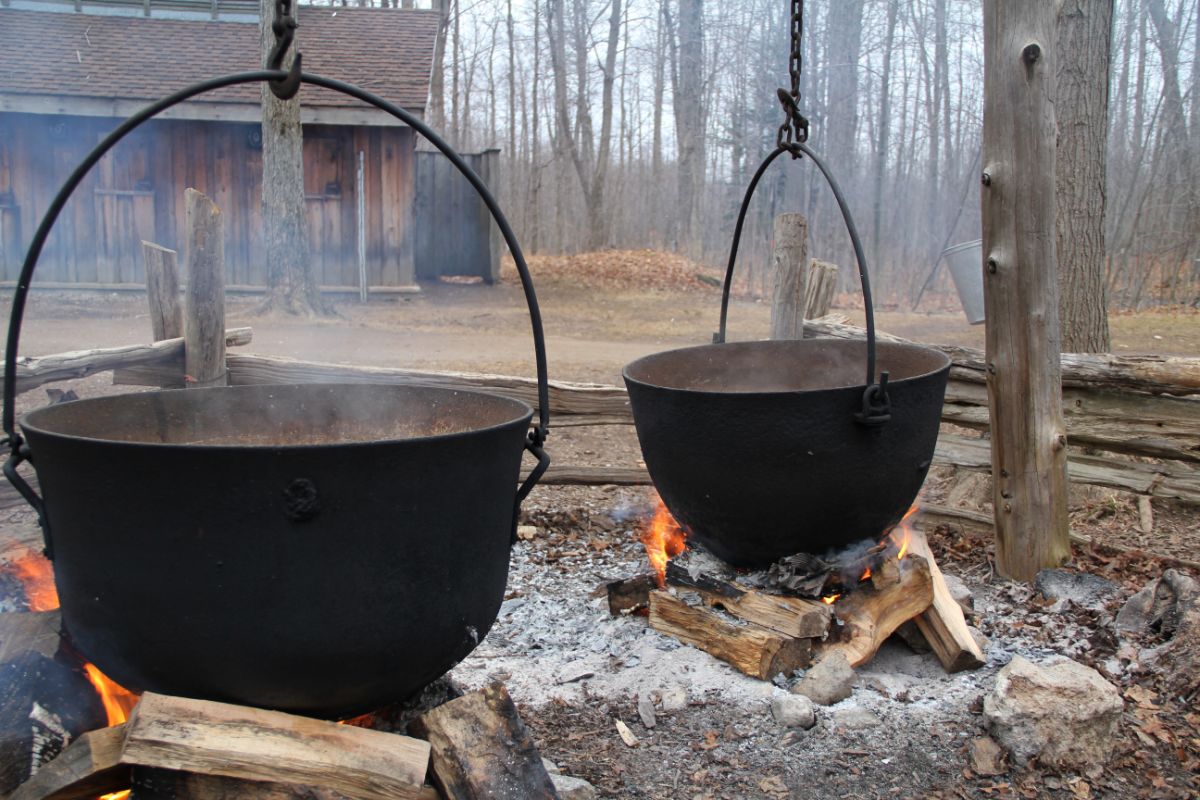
{"points": [[752, 649], [789, 616], [481, 748], [943, 624], [870, 615]]}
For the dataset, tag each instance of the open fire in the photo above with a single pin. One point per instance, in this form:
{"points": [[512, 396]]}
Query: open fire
{"points": [[36, 576], [826, 578]]}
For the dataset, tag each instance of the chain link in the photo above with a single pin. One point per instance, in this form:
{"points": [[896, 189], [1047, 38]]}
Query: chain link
{"points": [[794, 129]]}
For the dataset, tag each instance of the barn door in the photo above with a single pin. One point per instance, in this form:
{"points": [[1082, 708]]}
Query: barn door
{"points": [[328, 198], [124, 212], [10, 218]]}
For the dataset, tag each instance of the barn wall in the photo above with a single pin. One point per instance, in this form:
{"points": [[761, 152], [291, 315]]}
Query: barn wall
{"points": [[136, 192]]}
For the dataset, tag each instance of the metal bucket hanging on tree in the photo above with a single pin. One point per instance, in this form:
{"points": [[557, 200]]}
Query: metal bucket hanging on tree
{"points": [[322, 549], [765, 449]]}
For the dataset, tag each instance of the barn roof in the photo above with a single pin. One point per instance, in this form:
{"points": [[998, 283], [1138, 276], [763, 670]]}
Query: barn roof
{"points": [[91, 64]]}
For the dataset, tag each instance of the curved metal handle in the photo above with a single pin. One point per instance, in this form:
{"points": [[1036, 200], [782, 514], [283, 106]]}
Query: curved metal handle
{"points": [[875, 401], [16, 443]]}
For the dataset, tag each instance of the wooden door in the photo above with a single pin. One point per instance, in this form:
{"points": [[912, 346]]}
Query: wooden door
{"points": [[328, 196], [124, 202]]}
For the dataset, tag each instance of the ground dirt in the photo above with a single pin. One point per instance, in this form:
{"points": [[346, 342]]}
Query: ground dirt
{"points": [[574, 670]]}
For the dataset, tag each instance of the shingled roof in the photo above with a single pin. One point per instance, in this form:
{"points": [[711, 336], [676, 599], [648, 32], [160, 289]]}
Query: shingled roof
{"points": [[121, 58]]}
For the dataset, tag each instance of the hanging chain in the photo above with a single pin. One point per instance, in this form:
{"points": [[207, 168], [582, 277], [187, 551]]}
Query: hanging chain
{"points": [[794, 129], [284, 27]]}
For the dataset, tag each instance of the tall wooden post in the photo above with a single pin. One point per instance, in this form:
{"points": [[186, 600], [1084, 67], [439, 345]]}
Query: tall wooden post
{"points": [[204, 298], [789, 266], [1029, 459]]}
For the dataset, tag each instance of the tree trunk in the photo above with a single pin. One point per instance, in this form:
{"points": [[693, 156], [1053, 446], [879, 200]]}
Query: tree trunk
{"points": [[1029, 457], [1081, 106], [291, 283], [688, 131], [437, 79]]}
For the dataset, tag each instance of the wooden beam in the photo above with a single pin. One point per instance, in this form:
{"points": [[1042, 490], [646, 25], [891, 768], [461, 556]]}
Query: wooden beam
{"points": [[943, 624], [1174, 375], [789, 268], [38, 371], [481, 749], [210, 738], [204, 344], [756, 651]]}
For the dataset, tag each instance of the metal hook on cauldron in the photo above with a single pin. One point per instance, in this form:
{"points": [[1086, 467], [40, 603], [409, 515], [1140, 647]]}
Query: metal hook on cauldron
{"points": [[19, 452]]}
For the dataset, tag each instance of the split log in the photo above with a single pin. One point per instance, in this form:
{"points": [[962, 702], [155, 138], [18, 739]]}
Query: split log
{"points": [[756, 651], [34, 372], [149, 783], [208, 738], [481, 749], [943, 624], [91, 766], [789, 260], [818, 292], [629, 595], [788, 616], [1172, 481], [1173, 375], [204, 349], [869, 616]]}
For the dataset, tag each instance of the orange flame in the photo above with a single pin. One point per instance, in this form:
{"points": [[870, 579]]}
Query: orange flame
{"points": [[901, 534], [663, 540], [829, 599], [121, 795], [118, 701], [866, 576], [37, 578]]}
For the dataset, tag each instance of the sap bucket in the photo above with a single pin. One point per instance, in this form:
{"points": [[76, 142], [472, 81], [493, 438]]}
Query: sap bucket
{"points": [[966, 268]]}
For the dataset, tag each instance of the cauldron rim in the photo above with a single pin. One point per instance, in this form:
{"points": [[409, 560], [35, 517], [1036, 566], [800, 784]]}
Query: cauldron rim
{"points": [[943, 363], [29, 421]]}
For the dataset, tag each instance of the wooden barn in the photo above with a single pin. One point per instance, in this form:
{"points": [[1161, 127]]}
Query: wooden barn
{"points": [[68, 77]]}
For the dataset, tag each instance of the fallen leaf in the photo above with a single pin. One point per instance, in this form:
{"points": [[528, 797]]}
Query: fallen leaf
{"points": [[626, 735]]}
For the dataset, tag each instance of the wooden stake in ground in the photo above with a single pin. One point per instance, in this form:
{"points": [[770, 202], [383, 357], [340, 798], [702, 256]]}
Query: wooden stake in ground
{"points": [[818, 292], [162, 295], [789, 262], [943, 624], [754, 650], [481, 749], [1029, 459], [204, 301]]}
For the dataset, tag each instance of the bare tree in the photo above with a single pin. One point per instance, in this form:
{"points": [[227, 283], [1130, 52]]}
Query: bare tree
{"points": [[1081, 108], [291, 283], [688, 106]]}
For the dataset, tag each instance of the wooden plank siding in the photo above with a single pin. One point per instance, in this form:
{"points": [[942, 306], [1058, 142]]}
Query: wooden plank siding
{"points": [[136, 192]]}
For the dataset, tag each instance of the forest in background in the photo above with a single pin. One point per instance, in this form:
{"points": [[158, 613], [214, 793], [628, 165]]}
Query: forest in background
{"points": [[639, 123]]}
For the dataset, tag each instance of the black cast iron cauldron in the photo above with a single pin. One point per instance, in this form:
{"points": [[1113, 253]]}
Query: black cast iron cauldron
{"points": [[321, 549], [765, 449]]}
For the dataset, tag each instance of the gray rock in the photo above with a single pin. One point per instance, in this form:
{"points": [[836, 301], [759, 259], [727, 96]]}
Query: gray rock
{"points": [[961, 594], [551, 767], [1082, 589], [1158, 605], [793, 711], [645, 709], [911, 635], [572, 788], [855, 719], [1134, 616], [987, 757], [1064, 713], [831, 679]]}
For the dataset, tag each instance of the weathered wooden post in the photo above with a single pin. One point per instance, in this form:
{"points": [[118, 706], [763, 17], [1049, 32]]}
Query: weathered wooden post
{"points": [[818, 293], [789, 266], [204, 298], [1029, 459]]}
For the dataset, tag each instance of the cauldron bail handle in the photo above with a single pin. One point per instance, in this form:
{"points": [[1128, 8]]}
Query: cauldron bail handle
{"points": [[875, 402], [19, 450]]}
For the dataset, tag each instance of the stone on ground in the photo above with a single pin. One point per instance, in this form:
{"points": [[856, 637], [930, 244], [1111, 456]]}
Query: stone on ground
{"points": [[1064, 714], [831, 679], [793, 711]]}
